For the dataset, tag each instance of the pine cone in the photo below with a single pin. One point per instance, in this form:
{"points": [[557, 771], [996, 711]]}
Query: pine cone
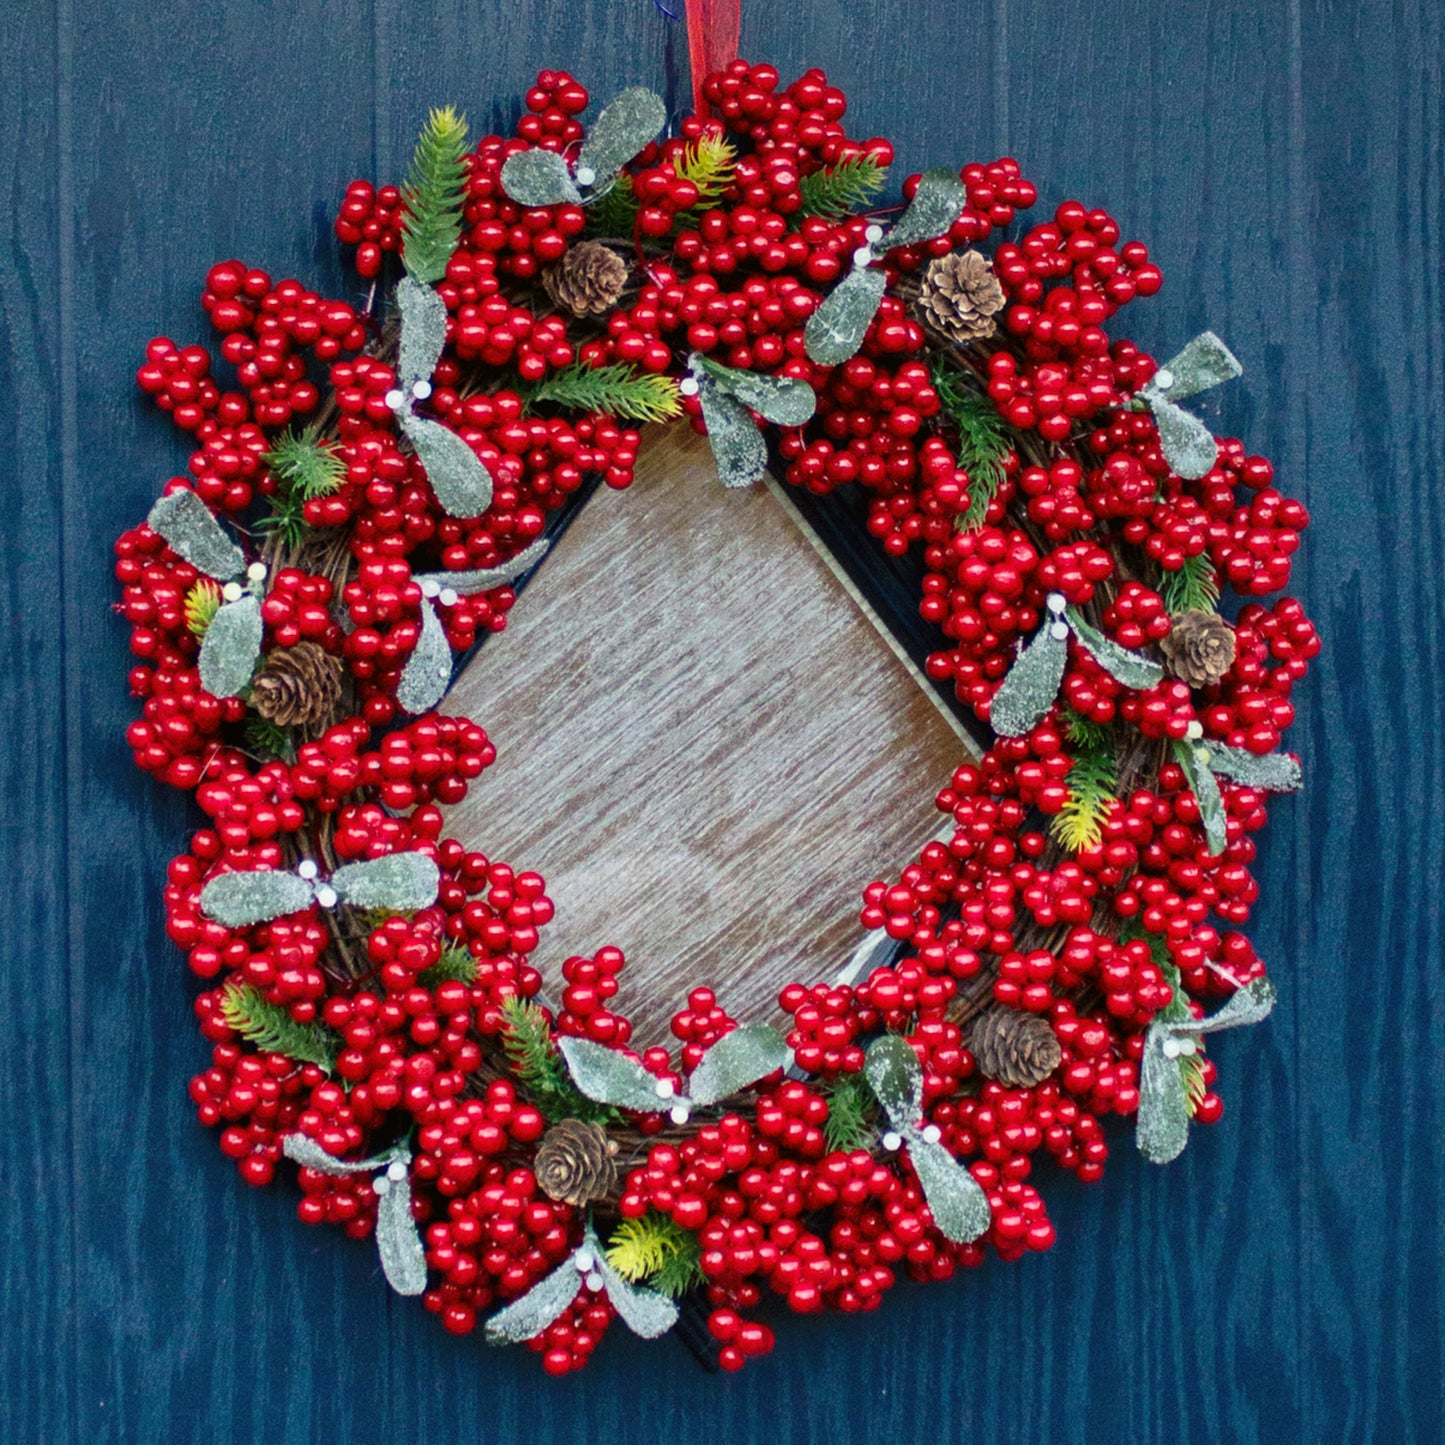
{"points": [[298, 686], [1199, 648], [1019, 1050], [960, 296], [575, 1162], [588, 280]]}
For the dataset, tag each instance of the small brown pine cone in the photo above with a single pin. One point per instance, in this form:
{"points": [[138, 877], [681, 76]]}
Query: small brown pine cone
{"points": [[588, 280], [576, 1162], [1199, 647], [298, 685], [1019, 1050], [960, 296]]}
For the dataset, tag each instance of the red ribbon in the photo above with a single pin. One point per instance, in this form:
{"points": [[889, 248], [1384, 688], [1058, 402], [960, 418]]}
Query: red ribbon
{"points": [[713, 31]]}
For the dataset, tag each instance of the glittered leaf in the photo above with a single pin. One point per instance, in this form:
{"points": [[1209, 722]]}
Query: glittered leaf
{"points": [[737, 445], [398, 1241], [1204, 363], [190, 531], [932, 211], [1274, 772], [1162, 1128], [428, 671], [306, 1151], [462, 484], [1194, 759], [483, 579], [1130, 668], [1032, 684], [1246, 1005], [836, 329], [539, 1307], [231, 647], [539, 178], [896, 1078], [608, 1077], [423, 331], [400, 882], [644, 1311], [240, 899], [955, 1198], [1188, 445], [625, 126], [784, 400], [740, 1058]]}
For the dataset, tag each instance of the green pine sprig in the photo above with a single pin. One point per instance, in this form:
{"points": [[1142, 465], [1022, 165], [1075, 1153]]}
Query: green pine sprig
{"points": [[1194, 586], [849, 1103], [657, 1250], [614, 213], [435, 193], [983, 442], [536, 1061], [846, 187], [1092, 779], [269, 740], [617, 390], [306, 465], [272, 1029], [202, 603], [456, 965]]}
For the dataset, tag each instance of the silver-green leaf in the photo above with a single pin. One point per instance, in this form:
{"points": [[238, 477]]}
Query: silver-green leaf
{"points": [[1188, 445], [645, 1312], [835, 331], [400, 881], [1162, 1128], [608, 1077], [483, 579], [894, 1074], [231, 647], [1246, 1005], [1194, 759], [527, 1316], [1032, 683], [739, 1059], [539, 178], [737, 445], [398, 1241], [1274, 772], [625, 126], [239, 900], [428, 671], [955, 1198], [192, 532], [932, 211], [1130, 668], [306, 1151], [461, 483], [783, 400], [1205, 362], [423, 331]]}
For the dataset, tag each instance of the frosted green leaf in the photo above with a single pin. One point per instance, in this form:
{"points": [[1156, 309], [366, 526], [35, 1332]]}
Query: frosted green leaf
{"points": [[191, 532], [896, 1078], [428, 671], [402, 882], [240, 899], [932, 211], [1247, 1005], [398, 1241], [1188, 445], [955, 1198], [1204, 785], [1032, 684], [461, 483], [644, 1311], [539, 178], [740, 1058], [1162, 1128], [1130, 668], [1274, 772], [608, 1077], [231, 647], [306, 1151], [528, 1316], [625, 126], [483, 579], [783, 400], [423, 331], [1205, 362], [737, 445], [836, 329]]}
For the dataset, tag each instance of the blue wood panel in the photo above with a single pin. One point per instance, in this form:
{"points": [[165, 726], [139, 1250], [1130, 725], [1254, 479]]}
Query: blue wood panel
{"points": [[1285, 1280]]}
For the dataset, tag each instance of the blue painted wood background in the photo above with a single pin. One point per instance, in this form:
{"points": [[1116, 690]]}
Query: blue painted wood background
{"points": [[1285, 1280]]}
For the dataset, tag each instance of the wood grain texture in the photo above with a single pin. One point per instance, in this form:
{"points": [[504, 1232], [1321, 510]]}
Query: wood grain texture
{"points": [[1285, 1281], [703, 744]]}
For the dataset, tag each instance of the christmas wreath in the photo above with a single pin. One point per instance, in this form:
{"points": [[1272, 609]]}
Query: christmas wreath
{"points": [[363, 500]]}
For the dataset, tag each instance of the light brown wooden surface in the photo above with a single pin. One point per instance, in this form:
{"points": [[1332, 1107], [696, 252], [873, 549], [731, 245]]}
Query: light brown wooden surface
{"points": [[703, 744]]}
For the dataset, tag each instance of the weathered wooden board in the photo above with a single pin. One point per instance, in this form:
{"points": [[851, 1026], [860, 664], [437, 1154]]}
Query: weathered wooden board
{"points": [[704, 745]]}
